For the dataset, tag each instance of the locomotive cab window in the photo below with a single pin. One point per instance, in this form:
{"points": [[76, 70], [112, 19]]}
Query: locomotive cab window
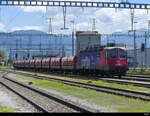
{"points": [[111, 54], [116, 52], [123, 54]]}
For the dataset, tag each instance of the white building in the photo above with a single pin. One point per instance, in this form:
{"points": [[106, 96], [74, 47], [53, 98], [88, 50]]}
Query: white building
{"points": [[85, 39], [142, 61]]}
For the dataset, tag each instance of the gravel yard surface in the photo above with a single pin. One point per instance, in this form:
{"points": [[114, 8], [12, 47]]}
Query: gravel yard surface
{"points": [[10, 99], [101, 101], [80, 101], [47, 103], [72, 98]]}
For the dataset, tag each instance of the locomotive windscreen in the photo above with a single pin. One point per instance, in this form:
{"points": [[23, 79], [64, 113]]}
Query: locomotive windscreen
{"points": [[122, 53], [116, 52]]}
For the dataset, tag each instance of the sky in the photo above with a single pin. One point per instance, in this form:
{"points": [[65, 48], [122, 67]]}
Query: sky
{"points": [[107, 20]]}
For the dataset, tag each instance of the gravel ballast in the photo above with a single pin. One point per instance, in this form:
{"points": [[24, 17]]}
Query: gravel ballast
{"points": [[46, 103], [71, 98], [13, 101]]}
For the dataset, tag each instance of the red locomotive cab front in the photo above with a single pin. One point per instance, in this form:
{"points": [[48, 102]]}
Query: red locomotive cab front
{"points": [[121, 60], [117, 60]]}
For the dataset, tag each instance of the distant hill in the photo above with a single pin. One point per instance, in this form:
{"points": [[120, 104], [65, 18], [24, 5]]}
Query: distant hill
{"points": [[29, 32], [11, 43], [38, 44], [128, 39]]}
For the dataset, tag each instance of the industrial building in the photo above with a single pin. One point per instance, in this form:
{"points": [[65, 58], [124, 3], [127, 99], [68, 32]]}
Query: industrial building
{"points": [[142, 61], [85, 39]]}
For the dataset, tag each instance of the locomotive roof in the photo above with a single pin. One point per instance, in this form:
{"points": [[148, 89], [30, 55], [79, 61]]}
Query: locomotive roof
{"points": [[110, 48], [103, 48]]}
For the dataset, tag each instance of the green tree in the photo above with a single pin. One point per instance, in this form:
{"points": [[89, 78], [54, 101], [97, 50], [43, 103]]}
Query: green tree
{"points": [[2, 56]]}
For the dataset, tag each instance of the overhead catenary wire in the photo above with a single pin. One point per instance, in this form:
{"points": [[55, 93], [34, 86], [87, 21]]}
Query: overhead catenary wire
{"points": [[13, 18]]}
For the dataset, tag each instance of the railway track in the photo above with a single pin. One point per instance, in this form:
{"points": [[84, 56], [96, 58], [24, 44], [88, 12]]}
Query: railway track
{"points": [[137, 75], [137, 78], [42, 100], [128, 81], [122, 92], [133, 80], [141, 82]]}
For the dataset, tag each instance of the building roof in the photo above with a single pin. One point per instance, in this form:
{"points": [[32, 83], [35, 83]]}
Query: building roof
{"points": [[86, 33], [109, 48]]}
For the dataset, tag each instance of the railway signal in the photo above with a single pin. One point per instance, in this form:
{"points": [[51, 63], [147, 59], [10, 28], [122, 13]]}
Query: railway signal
{"points": [[142, 47]]}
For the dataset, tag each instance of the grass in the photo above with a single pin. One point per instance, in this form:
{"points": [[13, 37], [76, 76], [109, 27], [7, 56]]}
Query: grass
{"points": [[137, 74], [102, 83], [5, 67], [139, 68], [98, 82], [130, 87], [4, 108], [113, 102], [139, 71], [144, 74]]}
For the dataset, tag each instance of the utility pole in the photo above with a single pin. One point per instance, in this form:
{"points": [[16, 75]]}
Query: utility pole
{"points": [[20, 45], [146, 37], [64, 17], [16, 55], [30, 47], [73, 29], [132, 18], [63, 51], [41, 53], [60, 43], [134, 32], [49, 47], [135, 51], [10, 59], [134, 42], [50, 26], [93, 24], [56, 46]]}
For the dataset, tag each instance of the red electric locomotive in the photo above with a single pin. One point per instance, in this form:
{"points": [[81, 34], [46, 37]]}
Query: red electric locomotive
{"points": [[108, 61]]}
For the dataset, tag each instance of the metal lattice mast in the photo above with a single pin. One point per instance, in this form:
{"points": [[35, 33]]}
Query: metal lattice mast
{"points": [[50, 31], [64, 18], [132, 18]]}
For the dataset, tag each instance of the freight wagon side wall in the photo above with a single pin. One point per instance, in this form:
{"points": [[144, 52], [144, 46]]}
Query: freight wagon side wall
{"points": [[46, 63]]}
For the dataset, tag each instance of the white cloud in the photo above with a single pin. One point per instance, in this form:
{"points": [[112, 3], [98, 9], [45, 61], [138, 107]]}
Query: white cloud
{"points": [[83, 26], [107, 20], [30, 9], [2, 27], [119, 30], [27, 28]]}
